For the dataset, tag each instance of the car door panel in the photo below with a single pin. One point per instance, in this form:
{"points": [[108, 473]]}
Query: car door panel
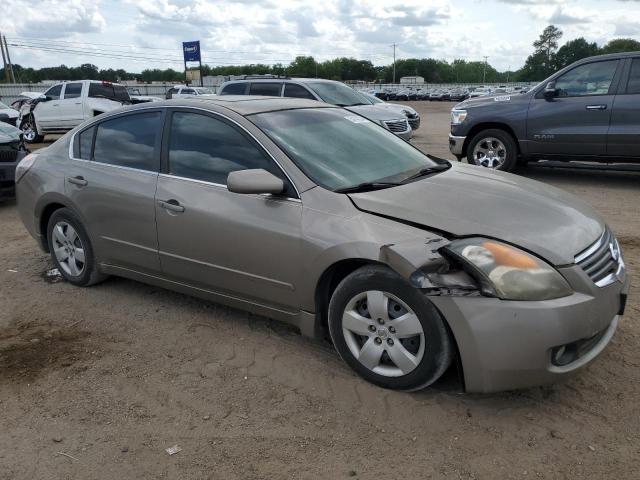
{"points": [[70, 111], [245, 245], [624, 133], [47, 111], [112, 180], [577, 121]]}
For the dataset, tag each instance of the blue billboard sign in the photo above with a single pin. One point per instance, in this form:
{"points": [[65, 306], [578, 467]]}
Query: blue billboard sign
{"points": [[191, 51]]}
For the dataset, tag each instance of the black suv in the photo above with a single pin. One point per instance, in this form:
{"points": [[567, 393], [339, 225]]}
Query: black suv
{"points": [[586, 111]]}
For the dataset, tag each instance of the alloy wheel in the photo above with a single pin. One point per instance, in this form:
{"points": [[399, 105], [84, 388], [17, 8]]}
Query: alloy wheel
{"points": [[29, 131], [490, 152], [383, 333], [68, 249]]}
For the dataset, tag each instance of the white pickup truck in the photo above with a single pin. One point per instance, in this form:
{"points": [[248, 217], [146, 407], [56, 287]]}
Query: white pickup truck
{"points": [[68, 104]]}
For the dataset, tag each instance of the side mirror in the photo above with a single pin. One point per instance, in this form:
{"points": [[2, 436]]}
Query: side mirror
{"points": [[254, 181], [550, 90], [46, 98]]}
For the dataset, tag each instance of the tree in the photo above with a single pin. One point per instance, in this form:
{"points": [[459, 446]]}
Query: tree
{"points": [[621, 45], [541, 63], [574, 50]]}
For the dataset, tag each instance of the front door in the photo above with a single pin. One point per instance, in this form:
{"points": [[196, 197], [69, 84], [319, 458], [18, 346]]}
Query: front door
{"points": [[70, 112], [576, 120], [246, 246], [112, 182], [624, 134], [47, 112]]}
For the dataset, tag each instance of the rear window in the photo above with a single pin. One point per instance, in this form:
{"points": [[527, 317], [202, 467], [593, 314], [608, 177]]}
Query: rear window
{"points": [[234, 89], [263, 88], [109, 90], [633, 86]]}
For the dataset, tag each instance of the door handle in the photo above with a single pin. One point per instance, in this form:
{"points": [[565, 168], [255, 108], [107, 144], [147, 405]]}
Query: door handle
{"points": [[596, 107], [79, 180], [171, 205]]}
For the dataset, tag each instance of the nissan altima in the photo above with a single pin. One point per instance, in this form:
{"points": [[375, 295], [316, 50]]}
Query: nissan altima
{"points": [[311, 214]]}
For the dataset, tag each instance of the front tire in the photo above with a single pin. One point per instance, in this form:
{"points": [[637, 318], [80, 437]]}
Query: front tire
{"points": [[71, 249], [387, 331], [493, 148], [30, 131]]}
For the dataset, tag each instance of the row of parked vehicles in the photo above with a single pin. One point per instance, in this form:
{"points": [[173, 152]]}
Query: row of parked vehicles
{"points": [[307, 212], [442, 94]]}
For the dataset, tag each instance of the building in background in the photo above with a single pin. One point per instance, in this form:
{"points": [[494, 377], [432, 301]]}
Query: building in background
{"points": [[411, 80]]}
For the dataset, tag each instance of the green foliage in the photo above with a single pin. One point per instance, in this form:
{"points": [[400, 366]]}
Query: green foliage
{"points": [[621, 45], [574, 50], [542, 62]]}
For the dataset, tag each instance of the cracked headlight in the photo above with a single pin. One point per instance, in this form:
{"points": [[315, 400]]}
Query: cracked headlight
{"points": [[508, 272], [458, 116]]}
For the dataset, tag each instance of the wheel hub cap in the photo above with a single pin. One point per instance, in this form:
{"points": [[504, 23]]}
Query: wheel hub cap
{"points": [[490, 152], [383, 333], [68, 249]]}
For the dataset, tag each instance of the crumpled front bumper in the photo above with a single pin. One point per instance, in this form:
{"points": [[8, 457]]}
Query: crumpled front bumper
{"points": [[506, 345]]}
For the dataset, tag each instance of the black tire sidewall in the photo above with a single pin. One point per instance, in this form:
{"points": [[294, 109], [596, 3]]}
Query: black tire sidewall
{"points": [[438, 347], [512, 150], [67, 215]]}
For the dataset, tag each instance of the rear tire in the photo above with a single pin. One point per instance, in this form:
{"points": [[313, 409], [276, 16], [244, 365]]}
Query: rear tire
{"points": [[388, 331], [71, 249], [493, 148]]}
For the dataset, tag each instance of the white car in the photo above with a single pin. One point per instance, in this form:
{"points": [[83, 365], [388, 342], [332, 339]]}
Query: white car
{"points": [[184, 91], [137, 97], [8, 114], [66, 105], [412, 116], [480, 92]]}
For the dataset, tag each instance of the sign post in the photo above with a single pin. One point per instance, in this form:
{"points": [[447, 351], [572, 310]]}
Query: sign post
{"points": [[191, 53]]}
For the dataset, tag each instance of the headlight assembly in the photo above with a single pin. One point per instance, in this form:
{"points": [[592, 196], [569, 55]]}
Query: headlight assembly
{"points": [[458, 116], [508, 272]]}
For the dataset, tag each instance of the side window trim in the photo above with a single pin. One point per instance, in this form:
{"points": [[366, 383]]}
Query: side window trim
{"points": [[157, 148], [164, 156]]}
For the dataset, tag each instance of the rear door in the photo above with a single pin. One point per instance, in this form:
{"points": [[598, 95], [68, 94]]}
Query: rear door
{"points": [[70, 109], [576, 120], [112, 182], [246, 246], [624, 134]]}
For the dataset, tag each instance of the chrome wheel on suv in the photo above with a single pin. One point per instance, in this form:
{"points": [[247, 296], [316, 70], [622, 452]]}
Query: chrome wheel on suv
{"points": [[493, 148], [490, 152]]}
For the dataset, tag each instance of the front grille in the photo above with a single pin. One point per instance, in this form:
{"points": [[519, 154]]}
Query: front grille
{"points": [[398, 126], [8, 156], [603, 260]]}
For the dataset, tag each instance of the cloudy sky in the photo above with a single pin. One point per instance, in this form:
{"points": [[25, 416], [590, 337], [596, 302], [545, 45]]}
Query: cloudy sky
{"points": [[138, 34]]}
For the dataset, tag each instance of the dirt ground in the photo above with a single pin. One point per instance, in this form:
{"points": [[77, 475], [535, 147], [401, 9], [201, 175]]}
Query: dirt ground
{"points": [[96, 383]]}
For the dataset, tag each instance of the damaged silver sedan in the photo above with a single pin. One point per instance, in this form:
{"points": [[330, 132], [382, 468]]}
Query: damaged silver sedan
{"points": [[313, 215]]}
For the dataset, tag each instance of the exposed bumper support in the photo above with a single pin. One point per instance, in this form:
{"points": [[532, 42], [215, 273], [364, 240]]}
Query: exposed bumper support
{"points": [[456, 144]]}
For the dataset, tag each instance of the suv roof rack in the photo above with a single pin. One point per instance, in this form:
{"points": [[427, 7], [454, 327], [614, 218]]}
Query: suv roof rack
{"points": [[267, 76]]}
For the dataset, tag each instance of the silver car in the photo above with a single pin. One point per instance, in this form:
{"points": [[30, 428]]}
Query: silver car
{"points": [[307, 213]]}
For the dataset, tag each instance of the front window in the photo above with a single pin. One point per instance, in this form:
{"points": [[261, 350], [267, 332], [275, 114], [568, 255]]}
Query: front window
{"points": [[336, 93], [338, 149], [54, 92], [72, 90], [590, 79]]}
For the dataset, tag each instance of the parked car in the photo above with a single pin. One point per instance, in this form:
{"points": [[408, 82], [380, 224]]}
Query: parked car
{"points": [[412, 116], [24, 98], [586, 111], [137, 97], [8, 114], [329, 91], [66, 105], [305, 212], [458, 95], [436, 95], [184, 91], [12, 151], [480, 92]]}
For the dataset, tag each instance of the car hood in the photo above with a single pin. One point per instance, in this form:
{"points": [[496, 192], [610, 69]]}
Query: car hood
{"points": [[10, 112], [468, 200], [397, 108], [375, 113], [32, 95], [9, 133], [505, 98]]}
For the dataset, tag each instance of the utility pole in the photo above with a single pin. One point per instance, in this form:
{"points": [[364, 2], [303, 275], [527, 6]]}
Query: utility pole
{"points": [[6, 47], [484, 70], [394, 62], [4, 61]]}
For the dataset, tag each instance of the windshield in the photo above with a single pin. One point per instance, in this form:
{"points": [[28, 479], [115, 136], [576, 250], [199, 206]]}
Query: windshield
{"points": [[338, 149], [336, 93]]}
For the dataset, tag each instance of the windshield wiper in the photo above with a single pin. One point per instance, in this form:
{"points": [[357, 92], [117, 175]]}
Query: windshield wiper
{"points": [[367, 186], [427, 171]]}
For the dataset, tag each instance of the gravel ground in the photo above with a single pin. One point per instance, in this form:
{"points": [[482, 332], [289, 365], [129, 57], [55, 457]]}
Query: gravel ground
{"points": [[98, 382]]}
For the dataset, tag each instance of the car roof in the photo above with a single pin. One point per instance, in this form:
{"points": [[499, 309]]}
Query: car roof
{"points": [[240, 104], [283, 79]]}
